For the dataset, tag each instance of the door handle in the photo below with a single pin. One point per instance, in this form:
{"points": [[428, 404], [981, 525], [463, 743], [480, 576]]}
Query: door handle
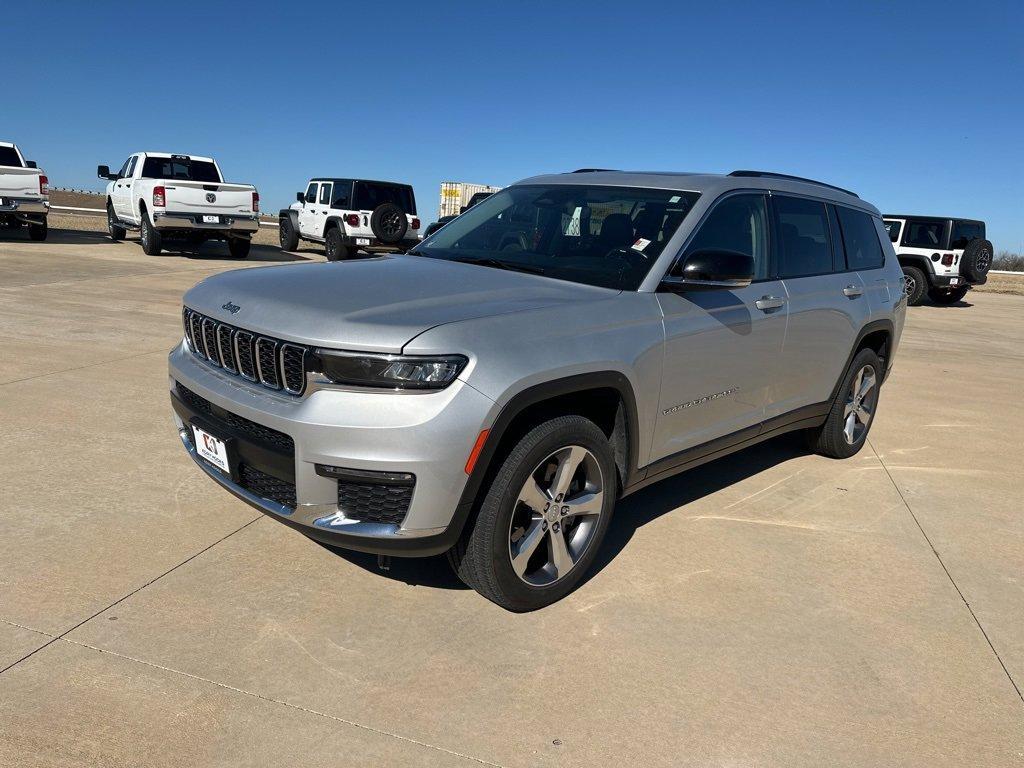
{"points": [[853, 291], [769, 302]]}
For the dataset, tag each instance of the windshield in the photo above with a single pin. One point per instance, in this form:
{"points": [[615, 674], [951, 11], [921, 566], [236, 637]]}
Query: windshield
{"points": [[603, 236], [369, 194], [9, 157], [181, 168]]}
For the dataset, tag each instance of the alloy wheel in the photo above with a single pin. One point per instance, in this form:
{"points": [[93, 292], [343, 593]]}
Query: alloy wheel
{"points": [[909, 285], [860, 404], [556, 516]]}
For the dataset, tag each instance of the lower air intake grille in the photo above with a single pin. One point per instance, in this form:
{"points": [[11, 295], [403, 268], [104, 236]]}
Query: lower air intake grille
{"points": [[267, 487], [374, 503]]}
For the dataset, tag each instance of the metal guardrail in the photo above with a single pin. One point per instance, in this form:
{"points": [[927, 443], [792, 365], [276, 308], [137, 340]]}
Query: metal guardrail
{"points": [[102, 211]]}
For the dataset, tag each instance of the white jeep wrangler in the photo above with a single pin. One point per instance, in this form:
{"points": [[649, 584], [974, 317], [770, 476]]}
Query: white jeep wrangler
{"points": [[942, 257], [348, 215]]}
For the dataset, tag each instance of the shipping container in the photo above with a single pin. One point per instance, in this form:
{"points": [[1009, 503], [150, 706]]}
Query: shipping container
{"points": [[455, 194]]}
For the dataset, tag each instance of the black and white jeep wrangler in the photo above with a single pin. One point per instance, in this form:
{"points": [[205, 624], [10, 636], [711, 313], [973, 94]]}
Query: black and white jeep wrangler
{"points": [[349, 215], [942, 257]]}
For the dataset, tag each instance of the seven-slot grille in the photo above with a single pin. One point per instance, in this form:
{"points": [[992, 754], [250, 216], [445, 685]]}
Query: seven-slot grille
{"points": [[273, 363]]}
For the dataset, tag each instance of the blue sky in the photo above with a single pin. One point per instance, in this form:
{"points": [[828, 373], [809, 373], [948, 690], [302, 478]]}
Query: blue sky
{"points": [[919, 107]]}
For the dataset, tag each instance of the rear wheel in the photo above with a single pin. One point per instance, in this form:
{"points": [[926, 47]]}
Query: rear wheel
{"points": [[38, 232], [289, 237], [914, 285], [846, 428], [947, 295], [152, 241], [335, 249], [116, 232], [239, 247], [543, 517]]}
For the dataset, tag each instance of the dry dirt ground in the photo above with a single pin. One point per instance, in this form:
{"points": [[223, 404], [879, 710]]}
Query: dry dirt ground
{"points": [[773, 608]]}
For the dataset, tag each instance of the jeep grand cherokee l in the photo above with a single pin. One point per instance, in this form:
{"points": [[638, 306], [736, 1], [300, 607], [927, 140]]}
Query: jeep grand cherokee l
{"points": [[565, 342]]}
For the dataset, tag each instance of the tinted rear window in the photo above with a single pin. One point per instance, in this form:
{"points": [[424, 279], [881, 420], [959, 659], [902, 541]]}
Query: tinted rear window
{"points": [[892, 228], [965, 231], [184, 170], [924, 234], [370, 194], [863, 248], [803, 237], [9, 157]]}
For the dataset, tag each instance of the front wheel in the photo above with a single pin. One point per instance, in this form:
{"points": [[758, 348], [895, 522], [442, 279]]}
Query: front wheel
{"points": [[115, 231], [289, 237], [38, 231], [542, 518], [947, 295], [152, 241], [239, 247]]}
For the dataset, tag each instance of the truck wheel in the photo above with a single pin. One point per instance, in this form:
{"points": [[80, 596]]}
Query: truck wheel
{"points": [[116, 232], [846, 428], [289, 237], [543, 517], [388, 223], [976, 261], [914, 285], [38, 232], [239, 247], [152, 241], [947, 295], [336, 250]]}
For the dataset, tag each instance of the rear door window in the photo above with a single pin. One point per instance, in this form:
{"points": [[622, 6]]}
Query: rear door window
{"points": [[325, 194], [863, 248], [924, 234], [892, 228], [342, 194], [804, 242]]}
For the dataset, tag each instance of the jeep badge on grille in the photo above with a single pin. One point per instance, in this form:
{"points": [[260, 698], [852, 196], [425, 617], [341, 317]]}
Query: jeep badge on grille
{"points": [[232, 308]]}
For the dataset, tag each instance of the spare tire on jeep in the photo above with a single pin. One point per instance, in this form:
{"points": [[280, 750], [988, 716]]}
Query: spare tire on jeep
{"points": [[976, 261], [388, 223]]}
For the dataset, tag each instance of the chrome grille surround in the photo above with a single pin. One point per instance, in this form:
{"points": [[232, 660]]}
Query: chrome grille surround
{"points": [[273, 363]]}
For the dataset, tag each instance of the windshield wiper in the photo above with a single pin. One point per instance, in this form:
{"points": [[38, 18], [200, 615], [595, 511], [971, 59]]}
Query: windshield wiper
{"points": [[497, 264]]}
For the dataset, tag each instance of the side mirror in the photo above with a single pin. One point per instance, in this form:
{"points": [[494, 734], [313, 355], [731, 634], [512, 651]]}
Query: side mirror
{"points": [[103, 171], [31, 164], [711, 270], [300, 197]]}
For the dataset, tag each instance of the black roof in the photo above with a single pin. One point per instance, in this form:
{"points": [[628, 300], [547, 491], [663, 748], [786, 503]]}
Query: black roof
{"points": [[371, 181], [929, 218]]}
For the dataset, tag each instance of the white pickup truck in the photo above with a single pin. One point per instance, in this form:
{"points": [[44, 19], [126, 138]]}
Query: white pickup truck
{"points": [[24, 193], [181, 197]]}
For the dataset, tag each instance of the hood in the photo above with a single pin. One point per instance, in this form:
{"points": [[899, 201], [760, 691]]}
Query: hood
{"points": [[376, 304]]}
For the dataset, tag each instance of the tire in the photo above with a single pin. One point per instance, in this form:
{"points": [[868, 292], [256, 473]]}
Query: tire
{"points": [[976, 261], [947, 295], [838, 438], [38, 232], [152, 241], [388, 223], [239, 247], [289, 237], [914, 285], [483, 556], [116, 232], [334, 248]]}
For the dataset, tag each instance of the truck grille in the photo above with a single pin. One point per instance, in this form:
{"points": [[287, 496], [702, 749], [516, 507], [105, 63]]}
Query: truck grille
{"points": [[266, 486], [273, 363]]}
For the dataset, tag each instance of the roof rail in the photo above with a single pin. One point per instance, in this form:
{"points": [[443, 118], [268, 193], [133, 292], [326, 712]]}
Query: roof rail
{"points": [[595, 170], [770, 175]]}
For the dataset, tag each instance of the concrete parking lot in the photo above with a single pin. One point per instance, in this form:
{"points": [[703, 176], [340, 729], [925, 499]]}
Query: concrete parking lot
{"points": [[771, 609]]}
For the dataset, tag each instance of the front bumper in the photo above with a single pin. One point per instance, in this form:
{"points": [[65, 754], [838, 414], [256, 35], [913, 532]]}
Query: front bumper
{"points": [[228, 222], [426, 435]]}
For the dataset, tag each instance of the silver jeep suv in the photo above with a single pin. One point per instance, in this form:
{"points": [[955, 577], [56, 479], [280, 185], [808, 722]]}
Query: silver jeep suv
{"points": [[569, 340]]}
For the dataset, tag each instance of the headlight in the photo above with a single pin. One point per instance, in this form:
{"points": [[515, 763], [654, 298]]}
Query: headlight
{"points": [[392, 371]]}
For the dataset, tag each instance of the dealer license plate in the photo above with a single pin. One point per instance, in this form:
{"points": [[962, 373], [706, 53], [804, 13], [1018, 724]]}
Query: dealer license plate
{"points": [[362, 241], [212, 449], [211, 219]]}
